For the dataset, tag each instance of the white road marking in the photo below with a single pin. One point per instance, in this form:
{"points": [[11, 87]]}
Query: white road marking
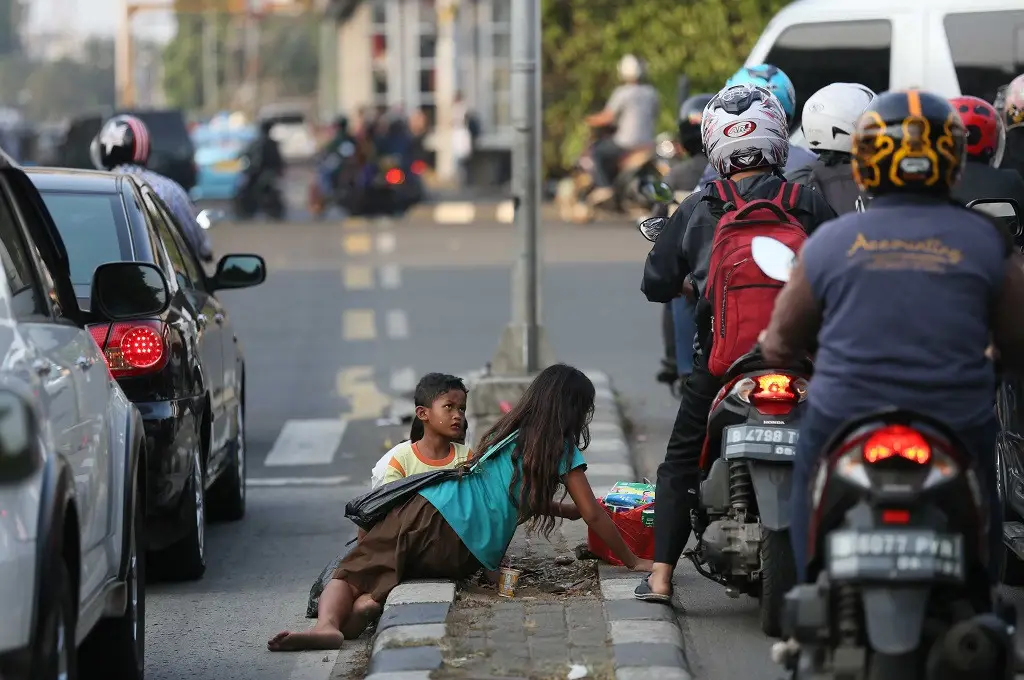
{"points": [[397, 324], [358, 324], [307, 442], [403, 380], [390, 276], [505, 213], [386, 242], [340, 480], [454, 213], [357, 277]]}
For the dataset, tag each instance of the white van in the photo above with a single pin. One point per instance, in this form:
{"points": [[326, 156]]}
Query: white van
{"points": [[949, 47]]}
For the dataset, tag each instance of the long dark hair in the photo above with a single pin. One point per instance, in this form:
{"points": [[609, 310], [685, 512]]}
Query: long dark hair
{"points": [[552, 418]]}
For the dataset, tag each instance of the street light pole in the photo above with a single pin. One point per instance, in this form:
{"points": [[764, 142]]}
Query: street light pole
{"points": [[524, 348]]}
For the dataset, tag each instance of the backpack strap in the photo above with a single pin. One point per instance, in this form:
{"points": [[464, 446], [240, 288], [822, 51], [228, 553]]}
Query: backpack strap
{"points": [[788, 197], [728, 193]]}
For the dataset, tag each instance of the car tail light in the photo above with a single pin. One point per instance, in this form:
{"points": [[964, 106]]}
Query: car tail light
{"points": [[418, 167], [394, 176], [897, 441], [132, 348]]}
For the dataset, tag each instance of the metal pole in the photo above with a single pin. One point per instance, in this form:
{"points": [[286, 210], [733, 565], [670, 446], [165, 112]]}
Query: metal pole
{"points": [[125, 81], [210, 102], [526, 92]]}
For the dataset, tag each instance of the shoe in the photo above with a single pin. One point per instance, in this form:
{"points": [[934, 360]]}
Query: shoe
{"points": [[644, 593]]}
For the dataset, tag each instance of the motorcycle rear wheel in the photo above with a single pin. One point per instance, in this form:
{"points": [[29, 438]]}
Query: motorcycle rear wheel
{"points": [[893, 666], [778, 576]]}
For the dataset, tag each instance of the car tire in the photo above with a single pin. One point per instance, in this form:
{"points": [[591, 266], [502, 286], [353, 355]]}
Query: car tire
{"points": [[54, 653], [186, 559], [227, 495], [116, 649]]}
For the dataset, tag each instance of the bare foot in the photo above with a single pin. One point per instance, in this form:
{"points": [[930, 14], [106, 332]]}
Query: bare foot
{"points": [[364, 610], [287, 641]]}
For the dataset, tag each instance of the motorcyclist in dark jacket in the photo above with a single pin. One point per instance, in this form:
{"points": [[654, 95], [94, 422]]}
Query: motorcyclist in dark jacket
{"points": [[960, 288], [986, 140], [678, 263], [264, 153], [828, 120], [687, 173]]}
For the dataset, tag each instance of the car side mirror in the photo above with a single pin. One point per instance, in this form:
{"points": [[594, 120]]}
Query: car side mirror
{"points": [[19, 432], [129, 290], [239, 271], [1005, 210], [208, 217]]}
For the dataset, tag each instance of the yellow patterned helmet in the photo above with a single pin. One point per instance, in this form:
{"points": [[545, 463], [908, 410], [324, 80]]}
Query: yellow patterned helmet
{"points": [[1012, 104], [911, 142]]}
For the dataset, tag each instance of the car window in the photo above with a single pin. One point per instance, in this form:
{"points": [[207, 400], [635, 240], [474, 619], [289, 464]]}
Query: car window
{"points": [[94, 229], [173, 252], [27, 300], [192, 268], [818, 54], [987, 49]]}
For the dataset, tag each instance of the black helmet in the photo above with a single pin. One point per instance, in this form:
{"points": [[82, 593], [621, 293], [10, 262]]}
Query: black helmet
{"points": [[690, 115], [910, 141], [121, 140]]}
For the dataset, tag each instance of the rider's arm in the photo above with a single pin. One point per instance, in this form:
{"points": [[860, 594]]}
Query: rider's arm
{"points": [[666, 268], [610, 113], [795, 319], [1007, 326]]}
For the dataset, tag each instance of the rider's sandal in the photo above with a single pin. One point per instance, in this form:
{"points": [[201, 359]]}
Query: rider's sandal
{"points": [[644, 593]]}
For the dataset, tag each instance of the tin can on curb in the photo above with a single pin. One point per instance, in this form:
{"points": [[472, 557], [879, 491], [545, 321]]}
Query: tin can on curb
{"points": [[508, 579]]}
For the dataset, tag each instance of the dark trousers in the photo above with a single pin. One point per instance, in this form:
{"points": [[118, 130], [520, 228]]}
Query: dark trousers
{"points": [[815, 430], [668, 332], [606, 155], [679, 474]]}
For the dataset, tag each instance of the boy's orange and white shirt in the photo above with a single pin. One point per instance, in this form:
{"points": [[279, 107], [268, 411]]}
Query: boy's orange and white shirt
{"points": [[405, 459]]}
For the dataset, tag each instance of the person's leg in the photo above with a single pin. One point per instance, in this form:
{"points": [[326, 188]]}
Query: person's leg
{"points": [[335, 609], [815, 431], [669, 370], [679, 475], [981, 442], [685, 330]]}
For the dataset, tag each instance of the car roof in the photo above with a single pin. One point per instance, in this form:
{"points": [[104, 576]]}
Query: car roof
{"points": [[68, 179]]}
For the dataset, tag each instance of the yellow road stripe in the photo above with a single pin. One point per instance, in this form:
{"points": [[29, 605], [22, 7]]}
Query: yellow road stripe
{"points": [[358, 277], [358, 244], [358, 324]]}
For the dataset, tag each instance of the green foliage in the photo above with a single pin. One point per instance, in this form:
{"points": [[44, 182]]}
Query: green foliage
{"points": [[51, 90], [583, 40], [288, 58]]}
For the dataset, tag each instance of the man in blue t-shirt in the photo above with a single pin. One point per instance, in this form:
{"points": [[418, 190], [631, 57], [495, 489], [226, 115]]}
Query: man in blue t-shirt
{"points": [[923, 349]]}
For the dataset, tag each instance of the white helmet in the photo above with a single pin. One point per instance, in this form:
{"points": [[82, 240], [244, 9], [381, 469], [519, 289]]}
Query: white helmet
{"points": [[831, 114], [630, 68], [744, 127]]}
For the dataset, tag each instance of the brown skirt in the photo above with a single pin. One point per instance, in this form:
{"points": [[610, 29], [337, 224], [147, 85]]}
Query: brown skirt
{"points": [[412, 541]]}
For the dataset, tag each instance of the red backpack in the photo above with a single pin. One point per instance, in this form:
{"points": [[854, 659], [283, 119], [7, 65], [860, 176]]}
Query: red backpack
{"points": [[741, 295]]}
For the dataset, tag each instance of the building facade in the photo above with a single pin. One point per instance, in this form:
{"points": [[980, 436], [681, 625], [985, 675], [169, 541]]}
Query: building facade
{"points": [[421, 54]]}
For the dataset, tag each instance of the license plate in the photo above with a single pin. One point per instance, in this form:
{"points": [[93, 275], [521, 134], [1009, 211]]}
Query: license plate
{"points": [[760, 442], [895, 554]]}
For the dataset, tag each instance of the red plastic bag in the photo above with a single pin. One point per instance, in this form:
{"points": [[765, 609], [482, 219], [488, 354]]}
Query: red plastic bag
{"points": [[638, 537]]}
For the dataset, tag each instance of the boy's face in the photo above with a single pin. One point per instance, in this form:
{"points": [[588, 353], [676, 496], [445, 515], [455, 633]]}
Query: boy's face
{"points": [[446, 416]]}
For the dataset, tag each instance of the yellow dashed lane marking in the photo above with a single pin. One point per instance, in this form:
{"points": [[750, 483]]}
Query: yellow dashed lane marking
{"points": [[358, 244], [358, 324], [358, 277]]}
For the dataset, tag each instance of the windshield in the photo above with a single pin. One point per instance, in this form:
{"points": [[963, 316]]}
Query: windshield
{"points": [[94, 230]]}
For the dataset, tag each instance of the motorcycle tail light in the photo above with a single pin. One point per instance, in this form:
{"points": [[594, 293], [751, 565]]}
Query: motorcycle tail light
{"points": [[895, 516], [418, 167], [772, 393], [394, 176], [897, 441]]}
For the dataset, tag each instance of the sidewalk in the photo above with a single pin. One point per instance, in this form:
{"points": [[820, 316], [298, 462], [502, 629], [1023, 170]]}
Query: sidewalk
{"points": [[570, 619]]}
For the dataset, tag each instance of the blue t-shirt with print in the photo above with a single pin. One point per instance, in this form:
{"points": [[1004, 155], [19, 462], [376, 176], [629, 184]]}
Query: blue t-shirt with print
{"points": [[479, 506]]}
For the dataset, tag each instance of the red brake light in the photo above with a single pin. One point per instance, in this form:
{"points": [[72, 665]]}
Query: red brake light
{"points": [[773, 387], [895, 517], [418, 167], [394, 176], [132, 348], [897, 440]]}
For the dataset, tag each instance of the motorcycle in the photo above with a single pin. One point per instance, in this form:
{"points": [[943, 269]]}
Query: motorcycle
{"points": [[742, 519], [635, 167], [898, 550], [258, 192]]}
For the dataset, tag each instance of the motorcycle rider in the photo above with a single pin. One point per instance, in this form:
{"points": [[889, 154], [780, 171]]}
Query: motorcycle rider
{"points": [[633, 109], [986, 141], [779, 84], [679, 262], [829, 117], [687, 173], [966, 292], [1011, 106], [264, 153], [123, 145]]}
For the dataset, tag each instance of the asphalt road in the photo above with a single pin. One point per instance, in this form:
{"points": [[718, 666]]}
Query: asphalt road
{"points": [[349, 317]]}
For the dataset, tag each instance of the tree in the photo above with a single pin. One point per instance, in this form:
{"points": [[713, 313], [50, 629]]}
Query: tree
{"points": [[583, 40]]}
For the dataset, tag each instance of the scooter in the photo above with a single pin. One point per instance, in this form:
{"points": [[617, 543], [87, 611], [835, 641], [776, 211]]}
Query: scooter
{"points": [[258, 192], [897, 548], [742, 520]]}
